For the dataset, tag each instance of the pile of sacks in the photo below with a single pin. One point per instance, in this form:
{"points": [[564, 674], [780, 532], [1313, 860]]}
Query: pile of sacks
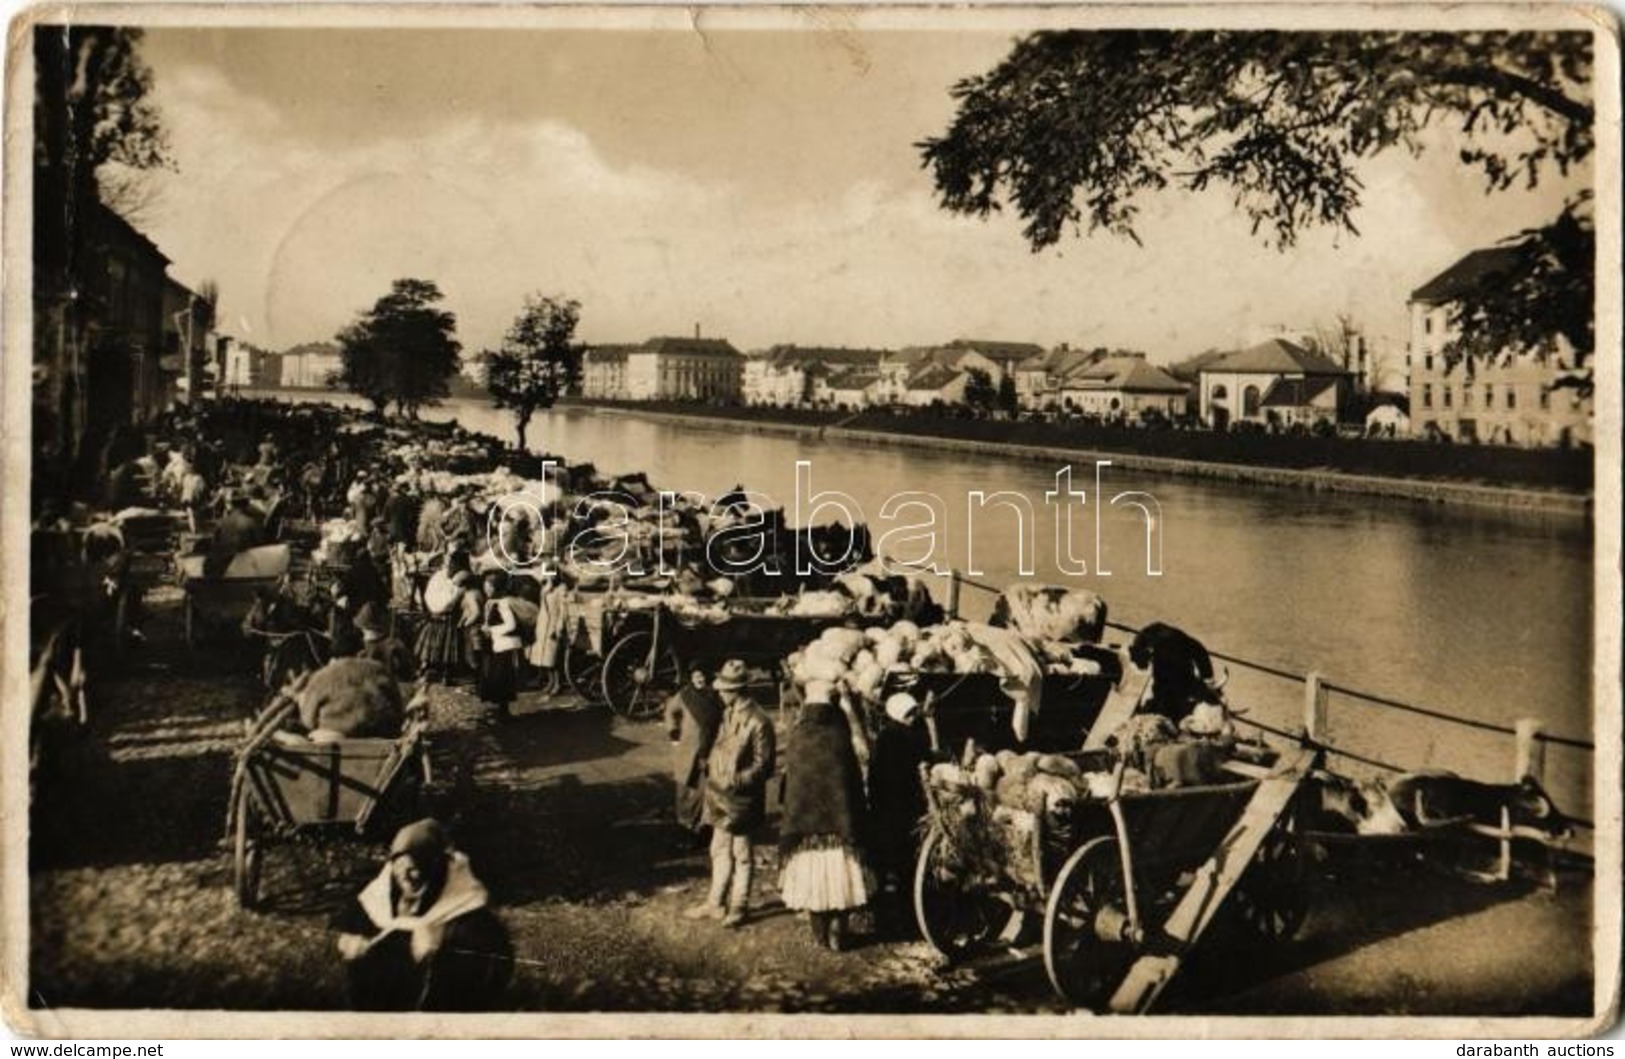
{"points": [[860, 659]]}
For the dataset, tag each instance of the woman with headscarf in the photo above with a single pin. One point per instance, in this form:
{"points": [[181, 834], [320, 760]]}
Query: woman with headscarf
{"points": [[820, 836], [499, 660], [422, 936], [442, 646]]}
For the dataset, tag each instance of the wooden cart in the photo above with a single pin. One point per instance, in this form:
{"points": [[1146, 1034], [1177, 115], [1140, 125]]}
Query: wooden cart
{"points": [[282, 787], [1125, 885], [215, 603]]}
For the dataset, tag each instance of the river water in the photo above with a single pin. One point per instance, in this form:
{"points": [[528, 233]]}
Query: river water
{"points": [[1481, 614]]}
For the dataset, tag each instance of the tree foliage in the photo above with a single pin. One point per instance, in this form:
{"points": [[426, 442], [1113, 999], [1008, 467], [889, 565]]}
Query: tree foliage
{"points": [[980, 393], [539, 359], [1073, 129], [402, 351], [92, 104]]}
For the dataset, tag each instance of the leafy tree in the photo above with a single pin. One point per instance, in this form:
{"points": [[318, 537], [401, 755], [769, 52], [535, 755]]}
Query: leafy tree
{"points": [[1008, 401], [1073, 128], [980, 394], [538, 360], [94, 120], [401, 351]]}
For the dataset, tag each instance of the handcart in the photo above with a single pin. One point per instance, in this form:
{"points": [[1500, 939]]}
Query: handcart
{"points": [[652, 647], [218, 602], [1125, 884], [281, 787]]}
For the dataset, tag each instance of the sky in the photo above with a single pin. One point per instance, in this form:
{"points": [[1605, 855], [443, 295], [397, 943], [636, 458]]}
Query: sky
{"points": [[761, 185]]}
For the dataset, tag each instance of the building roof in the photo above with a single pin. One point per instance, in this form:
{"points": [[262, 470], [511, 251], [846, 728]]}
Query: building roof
{"points": [[856, 378], [1456, 280], [312, 349], [999, 352], [111, 219], [931, 376], [786, 356], [1296, 393], [1275, 356], [609, 354], [1131, 374], [691, 347]]}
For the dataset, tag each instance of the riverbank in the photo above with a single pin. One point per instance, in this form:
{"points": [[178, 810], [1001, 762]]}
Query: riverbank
{"points": [[1567, 491]]}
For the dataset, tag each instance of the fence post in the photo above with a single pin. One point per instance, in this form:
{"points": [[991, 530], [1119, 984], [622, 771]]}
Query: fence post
{"points": [[1530, 759], [1314, 707], [953, 593]]}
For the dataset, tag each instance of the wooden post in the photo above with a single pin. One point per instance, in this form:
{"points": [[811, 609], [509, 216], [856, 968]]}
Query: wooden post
{"points": [[953, 593], [1314, 708], [1530, 757]]}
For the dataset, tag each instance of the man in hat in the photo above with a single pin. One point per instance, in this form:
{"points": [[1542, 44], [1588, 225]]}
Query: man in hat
{"points": [[378, 645], [237, 532], [692, 717], [737, 770], [421, 936]]}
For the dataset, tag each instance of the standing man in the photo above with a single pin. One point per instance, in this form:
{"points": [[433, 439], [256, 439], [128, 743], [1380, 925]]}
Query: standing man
{"points": [[737, 771], [692, 717]]}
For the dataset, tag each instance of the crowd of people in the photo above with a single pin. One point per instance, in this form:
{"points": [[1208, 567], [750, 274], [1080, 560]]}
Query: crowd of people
{"points": [[414, 581]]}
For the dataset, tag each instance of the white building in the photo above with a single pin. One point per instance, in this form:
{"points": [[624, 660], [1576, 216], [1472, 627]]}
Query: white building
{"points": [[309, 366], [684, 369], [1122, 387], [1232, 387], [788, 375], [1507, 398]]}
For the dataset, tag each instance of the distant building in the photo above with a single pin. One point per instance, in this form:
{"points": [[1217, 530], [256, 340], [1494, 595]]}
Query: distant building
{"points": [[1038, 378], [852, 387], [1232, 387], [1122, 387], [603, 373], [684, 369], [309, 366], [250, 368], [785, 374], [1507, 398], [1307, 401], [997, 358], [932, 383], [1388, 415]]}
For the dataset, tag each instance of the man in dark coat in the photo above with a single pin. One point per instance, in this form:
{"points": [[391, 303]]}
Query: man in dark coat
{"points": [[692, 716], [239, 530], [896, 797], [422, 936], [737, 771], [1181, 671]]}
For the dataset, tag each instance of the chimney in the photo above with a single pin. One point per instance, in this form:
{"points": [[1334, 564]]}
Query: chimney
{"points": [[696, 329]]}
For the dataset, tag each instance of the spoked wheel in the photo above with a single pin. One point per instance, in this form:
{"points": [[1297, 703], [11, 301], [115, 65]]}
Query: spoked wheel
{"points": [[1087, 951], [247, 850], [954, 919], [1272, 898], [638, 680], [583, 671]]}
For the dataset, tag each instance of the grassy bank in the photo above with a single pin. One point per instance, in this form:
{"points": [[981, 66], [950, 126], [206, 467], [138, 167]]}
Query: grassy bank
{"points": [[1555, 470]]}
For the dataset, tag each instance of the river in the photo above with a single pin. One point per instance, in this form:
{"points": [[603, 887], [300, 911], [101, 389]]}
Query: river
{"points": [[1481, 614]]}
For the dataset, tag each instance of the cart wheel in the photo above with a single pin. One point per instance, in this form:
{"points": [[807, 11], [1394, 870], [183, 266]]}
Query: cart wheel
{"points": [[247, 852], [1086, 951], [583, 671], [1272, 898], [634, 685], [953, 920]]}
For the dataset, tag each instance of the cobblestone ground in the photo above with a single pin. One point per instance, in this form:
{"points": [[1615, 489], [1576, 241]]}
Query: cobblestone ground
{"points": [[565, 813]]}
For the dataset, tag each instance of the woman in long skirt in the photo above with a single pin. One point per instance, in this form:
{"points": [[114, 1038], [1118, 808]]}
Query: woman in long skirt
{"points": [[442, 645], [820, 836], [499, 658]]}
